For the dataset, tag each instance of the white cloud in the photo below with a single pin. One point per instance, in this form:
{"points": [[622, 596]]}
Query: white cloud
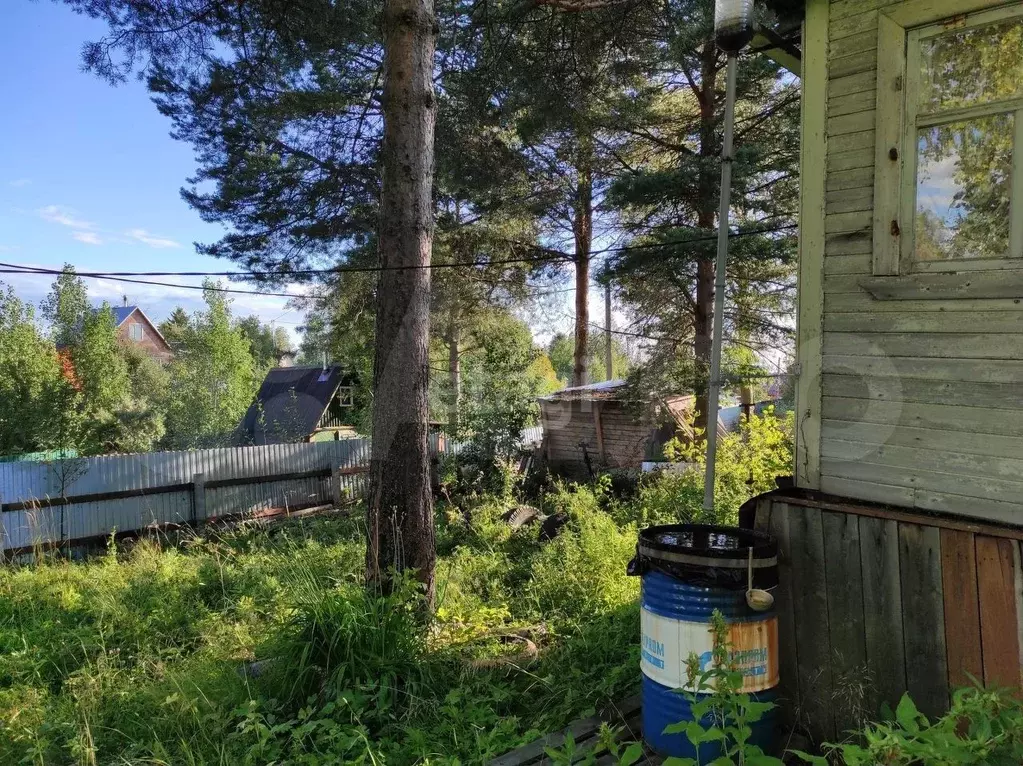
{"points": [[143, 236], [64, 216], [18, 182], [88, 237]]}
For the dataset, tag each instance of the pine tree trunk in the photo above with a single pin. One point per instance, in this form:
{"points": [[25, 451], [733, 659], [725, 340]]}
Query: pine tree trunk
{"points": [[703, 322], [400, 532], [582, 228]]}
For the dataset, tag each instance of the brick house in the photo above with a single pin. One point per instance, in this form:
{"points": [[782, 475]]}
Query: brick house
{"points": [[135, 328]]}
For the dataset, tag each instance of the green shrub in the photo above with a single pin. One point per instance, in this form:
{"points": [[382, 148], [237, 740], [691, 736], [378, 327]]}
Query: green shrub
{"points": [[981, 727], [581, 573]]}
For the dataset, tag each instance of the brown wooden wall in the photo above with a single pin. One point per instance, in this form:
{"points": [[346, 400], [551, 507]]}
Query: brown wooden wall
{"points": [[875, 602], [622, 442]]}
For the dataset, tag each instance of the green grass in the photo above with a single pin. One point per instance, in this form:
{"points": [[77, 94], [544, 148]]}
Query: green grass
{"points": [[261, 646]]}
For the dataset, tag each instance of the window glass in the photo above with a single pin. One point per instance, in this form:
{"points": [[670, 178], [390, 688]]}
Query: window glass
{"points": [[963, 189], [972, 66]]}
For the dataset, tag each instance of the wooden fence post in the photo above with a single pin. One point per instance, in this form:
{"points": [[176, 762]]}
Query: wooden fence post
{"points": [[198, 498], [335, 485]]}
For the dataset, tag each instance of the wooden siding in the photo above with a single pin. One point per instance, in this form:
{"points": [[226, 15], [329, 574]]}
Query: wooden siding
{"points": [[921, 400], [874, 602], [571, 431]]}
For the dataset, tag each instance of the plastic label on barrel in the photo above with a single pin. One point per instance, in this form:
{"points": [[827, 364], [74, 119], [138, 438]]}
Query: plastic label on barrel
{"points": [[667, 643]]}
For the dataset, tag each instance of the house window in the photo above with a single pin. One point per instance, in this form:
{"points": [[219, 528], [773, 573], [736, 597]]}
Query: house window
{"points": [[345, 397], [962, 181], [136, 332]]}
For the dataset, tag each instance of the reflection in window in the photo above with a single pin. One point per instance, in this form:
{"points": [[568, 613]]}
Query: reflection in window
{"points": [[963, 189], [972, 66]]}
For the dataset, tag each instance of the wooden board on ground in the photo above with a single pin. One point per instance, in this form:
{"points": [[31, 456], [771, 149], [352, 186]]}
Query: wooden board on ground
{"points": [[585, 734]]}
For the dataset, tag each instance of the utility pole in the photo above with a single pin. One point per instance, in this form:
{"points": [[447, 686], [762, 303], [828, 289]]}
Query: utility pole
{"points": [[607, 331]]}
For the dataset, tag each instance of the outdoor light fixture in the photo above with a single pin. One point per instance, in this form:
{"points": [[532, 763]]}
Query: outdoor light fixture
{"points": [[733, 24], [733, 29]]}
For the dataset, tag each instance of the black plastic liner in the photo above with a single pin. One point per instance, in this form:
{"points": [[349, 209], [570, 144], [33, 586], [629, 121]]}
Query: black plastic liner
{"points": [[722, 553]]}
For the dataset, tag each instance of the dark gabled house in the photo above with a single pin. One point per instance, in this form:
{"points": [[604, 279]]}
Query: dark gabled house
{"points": [[300, 404]]}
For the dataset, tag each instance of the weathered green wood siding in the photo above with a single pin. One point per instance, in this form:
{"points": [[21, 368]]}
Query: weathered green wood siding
{"points": [[921, 400]]}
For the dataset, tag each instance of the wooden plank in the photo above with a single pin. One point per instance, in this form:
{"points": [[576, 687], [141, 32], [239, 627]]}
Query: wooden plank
{"points": [[810, 606], [848, 200], [862, 301], [853, 243], [533, 753], [913, 13], [846, 617], [991, 396], [923, 618], [857, 158], [891, 68], [868, 491], [962, 607], [598, 426], [926, 368], [978, 345], [846, 222], [95, 497], [987, 323], [865, 61], [933, 416], [882, 609], [874, 510], [857, 178], [848, 46], [941, 286], [775, 520], [903, 436], [845, 264], [980, 508], [840, 102], [847, 142], [937, 481], [862, 82], [853, 25], [915, 457], [1017, 569], [841, 9], [999, 630], [810, 298]]}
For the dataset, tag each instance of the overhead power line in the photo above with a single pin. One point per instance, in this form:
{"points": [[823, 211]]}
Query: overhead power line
{"points": [[545, 254]]}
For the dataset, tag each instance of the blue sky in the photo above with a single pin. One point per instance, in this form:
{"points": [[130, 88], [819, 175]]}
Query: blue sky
{"points": [[89, 173]]}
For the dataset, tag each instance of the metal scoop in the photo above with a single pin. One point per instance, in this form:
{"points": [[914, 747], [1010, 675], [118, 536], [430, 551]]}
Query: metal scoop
{"points": [[757, 599]]}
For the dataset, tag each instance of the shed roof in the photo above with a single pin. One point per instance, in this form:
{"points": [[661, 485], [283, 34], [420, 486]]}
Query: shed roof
{"points": [[608, 390], [290, 403]]}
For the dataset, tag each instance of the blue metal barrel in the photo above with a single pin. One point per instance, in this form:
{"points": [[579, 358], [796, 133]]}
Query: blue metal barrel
{"points": [[688, 571]]}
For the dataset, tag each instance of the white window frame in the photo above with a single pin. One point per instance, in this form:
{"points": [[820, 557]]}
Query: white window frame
{"points": [[896, 272], [136, 332], [346, 396], [915, 120]]}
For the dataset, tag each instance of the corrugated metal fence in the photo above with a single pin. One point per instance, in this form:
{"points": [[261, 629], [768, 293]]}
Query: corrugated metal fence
{"points": [[83, 498]]}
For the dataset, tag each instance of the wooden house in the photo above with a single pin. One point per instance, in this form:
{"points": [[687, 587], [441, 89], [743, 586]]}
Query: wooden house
{"points": [[598, 426], [300, 404], [136, 329], [900, 544]]}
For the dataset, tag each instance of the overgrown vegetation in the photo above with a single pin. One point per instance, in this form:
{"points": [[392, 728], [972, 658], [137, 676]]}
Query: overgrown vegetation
{"points": [[262, 645]]}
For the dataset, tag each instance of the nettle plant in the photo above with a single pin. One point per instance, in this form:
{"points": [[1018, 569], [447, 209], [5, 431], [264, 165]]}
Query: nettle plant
{"points": [[981, 727], [723, 715]]}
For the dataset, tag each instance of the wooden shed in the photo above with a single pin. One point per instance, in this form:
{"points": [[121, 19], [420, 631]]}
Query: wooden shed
{"points": [[900, 546], [598, 426]]}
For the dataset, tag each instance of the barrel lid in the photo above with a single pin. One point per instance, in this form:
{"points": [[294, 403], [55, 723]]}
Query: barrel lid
{"points": [[707, 541]]}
